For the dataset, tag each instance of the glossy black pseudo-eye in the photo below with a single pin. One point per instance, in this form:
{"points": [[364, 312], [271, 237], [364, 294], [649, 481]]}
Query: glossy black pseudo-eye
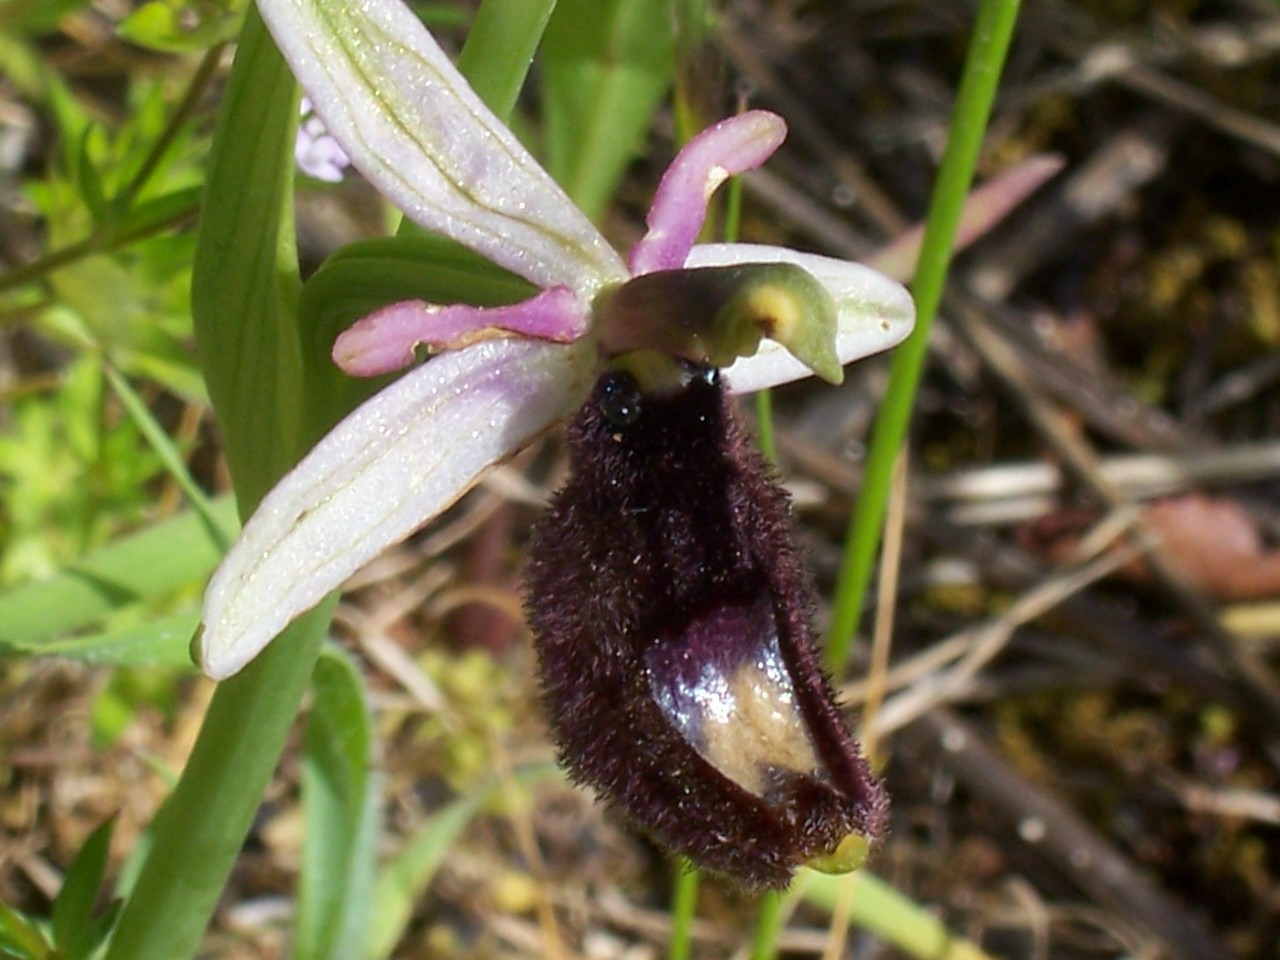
{"points": [[670, 611], [619, 399]]}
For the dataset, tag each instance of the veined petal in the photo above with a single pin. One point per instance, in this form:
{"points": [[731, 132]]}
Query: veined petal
{"points": [[384, 341], [393, 464], [873, 312], [728, 148], [411, 124]]}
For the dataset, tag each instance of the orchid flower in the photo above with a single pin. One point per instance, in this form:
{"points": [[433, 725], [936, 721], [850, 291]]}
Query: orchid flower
{"points": [[619, 340], [410, 123]]}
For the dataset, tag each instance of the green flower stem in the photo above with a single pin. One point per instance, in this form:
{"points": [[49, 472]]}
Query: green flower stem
{"points": [[191, 97], [684, 906], [102, 240], [991, 35], [769, 920], [201, 827]]}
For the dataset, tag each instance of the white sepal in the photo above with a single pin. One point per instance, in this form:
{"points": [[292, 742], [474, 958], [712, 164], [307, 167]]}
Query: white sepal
{"points": [[393, 464], [413, 126]]}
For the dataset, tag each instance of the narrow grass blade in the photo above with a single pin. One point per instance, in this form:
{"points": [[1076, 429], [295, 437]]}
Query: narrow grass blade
{"points": [[340, 814], [684, 907], [769, 918], [402, 881], [160, 642], [74, 929], [220, 532]]}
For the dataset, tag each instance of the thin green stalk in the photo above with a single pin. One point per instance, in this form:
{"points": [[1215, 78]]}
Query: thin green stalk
{"points": [[991, 35], [877, 908], [186, 107], [99, 241], [684, 906], [769, 915], [164, 447], [732, 210]]}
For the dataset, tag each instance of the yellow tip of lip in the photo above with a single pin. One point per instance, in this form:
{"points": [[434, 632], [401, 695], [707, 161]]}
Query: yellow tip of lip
{"points": [[789, 307], [775, 309], [849, 855]]}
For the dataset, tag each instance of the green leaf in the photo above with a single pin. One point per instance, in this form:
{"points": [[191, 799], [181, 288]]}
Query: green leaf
{"points": [[74, 930], [147, 216], [88, 178], [160, 642], [606, 65], [99, 927], [155, 561], [500, 48], [244, 285], [21, 938], [401, 882], [340, 808]]}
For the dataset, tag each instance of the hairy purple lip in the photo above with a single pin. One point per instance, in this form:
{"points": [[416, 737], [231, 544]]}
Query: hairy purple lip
{"points": [[670, 613]]}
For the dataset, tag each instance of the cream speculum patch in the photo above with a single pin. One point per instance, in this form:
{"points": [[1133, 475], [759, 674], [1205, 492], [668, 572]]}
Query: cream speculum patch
{"points": [[724, 686]]}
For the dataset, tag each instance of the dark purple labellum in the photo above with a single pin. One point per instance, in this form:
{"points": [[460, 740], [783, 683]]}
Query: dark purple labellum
{"points": [[671, 617]]}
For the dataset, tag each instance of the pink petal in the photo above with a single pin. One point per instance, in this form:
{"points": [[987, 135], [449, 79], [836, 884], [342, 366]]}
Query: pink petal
{"points": [[395, 463], [384, 341], [725, 150]]}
